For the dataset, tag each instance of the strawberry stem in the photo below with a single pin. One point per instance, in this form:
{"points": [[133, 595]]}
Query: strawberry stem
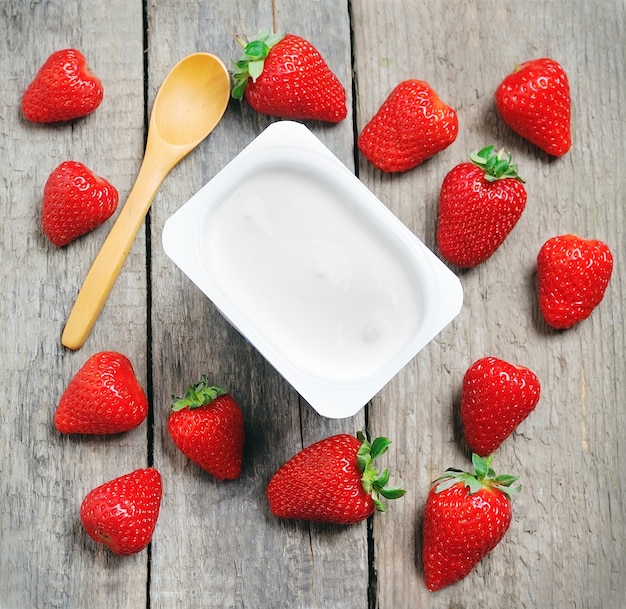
{"points": [[197, 395], [497, 165], [484, 477], [250, 64], [373, 482]]}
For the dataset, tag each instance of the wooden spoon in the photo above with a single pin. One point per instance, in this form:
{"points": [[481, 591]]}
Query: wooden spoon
{"points": [[188, 106]]}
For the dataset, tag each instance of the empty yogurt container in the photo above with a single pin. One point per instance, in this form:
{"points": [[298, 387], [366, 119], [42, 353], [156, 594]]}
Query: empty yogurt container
{"points": [[318, 274]]}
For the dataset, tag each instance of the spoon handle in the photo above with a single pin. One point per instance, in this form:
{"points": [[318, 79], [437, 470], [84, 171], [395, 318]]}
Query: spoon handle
{"points": [[109, 261]]}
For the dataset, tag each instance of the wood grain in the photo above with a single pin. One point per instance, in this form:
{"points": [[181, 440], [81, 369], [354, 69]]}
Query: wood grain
{"points": [[45, 559], [216, 544], [559, 551]]}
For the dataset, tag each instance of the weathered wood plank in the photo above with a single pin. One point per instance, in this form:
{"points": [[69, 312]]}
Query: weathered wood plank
{"points": [[45, 558], [260, 561], [565, 546]]}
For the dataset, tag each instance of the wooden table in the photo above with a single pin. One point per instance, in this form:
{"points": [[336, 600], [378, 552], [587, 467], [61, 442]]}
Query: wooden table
{"points": [[216, 544]]}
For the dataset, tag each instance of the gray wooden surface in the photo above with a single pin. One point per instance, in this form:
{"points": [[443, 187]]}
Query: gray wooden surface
{"points": [[216, 544]]}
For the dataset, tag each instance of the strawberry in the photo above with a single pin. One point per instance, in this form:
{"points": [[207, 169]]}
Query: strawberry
{"points": [[62, 90], [207, 426], [479, 204], [122, 513], [496, 397], [465, 517], [412, 125], [534, 101], [333, 480], [75, 201], [572, 275], [103, 397], [284, 75]]}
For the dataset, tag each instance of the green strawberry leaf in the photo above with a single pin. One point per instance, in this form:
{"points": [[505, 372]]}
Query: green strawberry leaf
{"points": [[483, 477], [383, 478], [380, 506], [473, 484], [506, 480], [379, 447], [374, 483], [250, 64], [363, 455], [239, 89], [497, 165], [197, 395], [255, 68], [444, 483], [394, 492], [257, 49], [481, 466]]}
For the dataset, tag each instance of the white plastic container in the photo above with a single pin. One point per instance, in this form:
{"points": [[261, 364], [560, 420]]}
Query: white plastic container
{"points": [[312, 269]]}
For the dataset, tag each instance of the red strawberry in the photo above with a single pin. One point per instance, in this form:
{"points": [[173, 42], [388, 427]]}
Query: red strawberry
{"points": [[333, 480], [479, 204], [207, 426], [75, 201], [496, 397], [103, 397], [62, 90], [573, 274], [534, 101], [123, 513], [412, 125], [284, 75], [465, 517]]}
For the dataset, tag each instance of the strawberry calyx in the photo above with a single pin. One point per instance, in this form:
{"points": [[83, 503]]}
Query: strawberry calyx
{"points": [[484, 477], [199, 394], [374, 483], [496, 165], [250, 64]]}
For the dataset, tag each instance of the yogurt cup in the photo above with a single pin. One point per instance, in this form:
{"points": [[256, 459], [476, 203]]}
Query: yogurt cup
{"points": [[312, 269]]}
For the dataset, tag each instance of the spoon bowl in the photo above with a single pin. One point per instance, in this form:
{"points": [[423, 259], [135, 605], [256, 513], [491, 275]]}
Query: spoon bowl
{"points": [[191, 100], [188, 106]]}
